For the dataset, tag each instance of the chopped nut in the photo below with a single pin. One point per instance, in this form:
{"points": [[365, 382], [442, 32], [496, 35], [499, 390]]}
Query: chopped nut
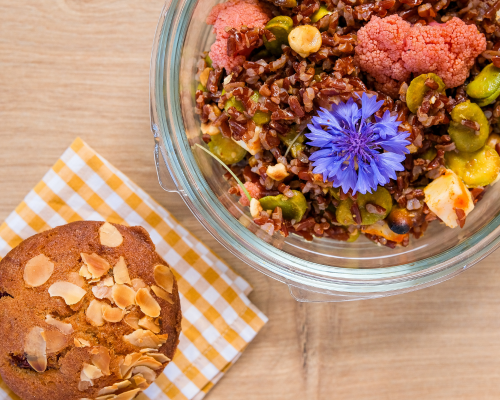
{"points": [[164, 277], [277, 172], [145, 338], [209, 129], [55, 341], [109, 235], [255, 208], [96, 265], [146, 372], [94, 313], [204, 76], [149, 323], [138, 283], [65, 328], [38, 270], [71, 293], [101, 360], [35, 349], [112, 314], [305, 40], [162, 294], [147, 303], [123, 296], [120, 272]]}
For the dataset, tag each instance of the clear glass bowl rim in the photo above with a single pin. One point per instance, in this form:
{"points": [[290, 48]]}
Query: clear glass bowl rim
{"points": [[177, 156]]}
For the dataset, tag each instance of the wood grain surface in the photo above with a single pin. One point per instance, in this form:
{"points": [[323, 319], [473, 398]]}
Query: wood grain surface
{"points": [[73, 68]]}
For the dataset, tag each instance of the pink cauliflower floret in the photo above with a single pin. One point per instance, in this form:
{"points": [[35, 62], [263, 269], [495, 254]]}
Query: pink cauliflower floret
{"points": [[379, 49], [449, 50], [255, 191], [234, 14], [390, 49]]}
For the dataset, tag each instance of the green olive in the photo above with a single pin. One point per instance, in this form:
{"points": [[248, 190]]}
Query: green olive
{"points": [[354, 235], [335, 193], [485, 87], [478, 168], [260, 117], [285, 3], [465, 138], [208, 60], [322, 12], [399, 220], [297, 145], [417, 90], [381, 197], [430, 154], [292, 208], [280, 27], [226, 149]]}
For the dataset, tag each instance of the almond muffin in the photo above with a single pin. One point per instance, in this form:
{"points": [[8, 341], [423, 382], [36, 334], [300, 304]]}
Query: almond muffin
{"points": [[88, 310]]}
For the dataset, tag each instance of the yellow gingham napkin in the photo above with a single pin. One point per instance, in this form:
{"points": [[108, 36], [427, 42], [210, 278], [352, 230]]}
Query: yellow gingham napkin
{"points": [[218, 319]]}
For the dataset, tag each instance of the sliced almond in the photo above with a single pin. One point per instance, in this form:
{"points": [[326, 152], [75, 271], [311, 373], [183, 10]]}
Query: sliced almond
{"points": [[146, 372], [127, 395], [84, 385], [147, 361], [102, 359], [145, 338], [109, 235], [112, 389], [55, 340], [132, 320], [161, 358], [108, 281], [65, 328], [162, 294], [96, 265], [84, 272], [91, 371], [147, 303], [164, 278], [123, 296], [74, 277], [140, 382], [120, 272], [71, 293], [38, 270], [127, 364], [146, 350], [35, 349], [94, 313], [149, 323], [112, 314], [101, 291], [138, 283], [107, 397], [79, 342]]}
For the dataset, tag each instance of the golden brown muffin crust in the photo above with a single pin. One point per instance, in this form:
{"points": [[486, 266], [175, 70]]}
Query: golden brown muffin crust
{"points": [[22, 308]]}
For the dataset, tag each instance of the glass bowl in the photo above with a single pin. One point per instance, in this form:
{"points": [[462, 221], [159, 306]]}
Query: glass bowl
{"points": [[321, 270]]}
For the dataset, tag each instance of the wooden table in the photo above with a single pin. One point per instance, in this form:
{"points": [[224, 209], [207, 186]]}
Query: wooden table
{"points": [[73, 68]]}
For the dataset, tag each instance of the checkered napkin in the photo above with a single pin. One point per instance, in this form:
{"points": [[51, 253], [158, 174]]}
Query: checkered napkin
{"points": [[218, 319]]}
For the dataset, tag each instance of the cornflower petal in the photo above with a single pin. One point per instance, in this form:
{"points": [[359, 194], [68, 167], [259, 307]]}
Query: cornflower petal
{"points": [[369, 106]]}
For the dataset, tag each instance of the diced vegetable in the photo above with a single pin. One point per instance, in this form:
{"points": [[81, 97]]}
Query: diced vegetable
{"points": [[447, 194]]}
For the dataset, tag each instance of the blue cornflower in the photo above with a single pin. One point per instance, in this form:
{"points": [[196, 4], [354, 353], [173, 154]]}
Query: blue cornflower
{"points": [[356, 152]]}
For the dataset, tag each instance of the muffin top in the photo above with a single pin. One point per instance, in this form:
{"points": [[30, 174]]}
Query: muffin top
{"points": [[88, 310]]}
